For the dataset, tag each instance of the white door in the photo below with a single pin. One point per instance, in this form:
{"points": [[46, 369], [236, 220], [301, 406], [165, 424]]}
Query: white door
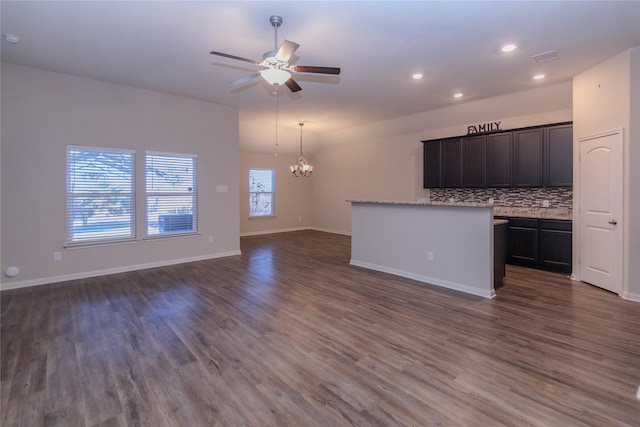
{"points": [[600, 238]]}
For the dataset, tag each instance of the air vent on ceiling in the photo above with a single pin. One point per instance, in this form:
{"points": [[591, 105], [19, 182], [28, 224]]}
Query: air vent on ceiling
{"points": [[545, 56]]}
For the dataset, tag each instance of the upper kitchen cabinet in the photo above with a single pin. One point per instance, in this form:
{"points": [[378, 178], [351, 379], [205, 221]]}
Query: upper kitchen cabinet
{"points": [[527, 157], [474, 159], [558, 156], [499, 159], [431, 153], [539, 156], [451, 162]]}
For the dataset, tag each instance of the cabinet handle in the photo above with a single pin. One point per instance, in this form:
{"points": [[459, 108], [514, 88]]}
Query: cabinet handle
{"points": [[613, 222]]}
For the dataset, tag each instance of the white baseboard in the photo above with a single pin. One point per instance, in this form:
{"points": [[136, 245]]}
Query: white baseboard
{"points": [[631, 296], [123, 269], [426, 279], [279, 230], [327, 230]]}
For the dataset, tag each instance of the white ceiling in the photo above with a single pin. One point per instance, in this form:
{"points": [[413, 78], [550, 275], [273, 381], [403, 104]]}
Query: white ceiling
{"points": [[164, 46]]}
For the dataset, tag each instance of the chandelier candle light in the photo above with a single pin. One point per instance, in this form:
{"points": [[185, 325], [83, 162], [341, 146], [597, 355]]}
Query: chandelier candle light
{"points": [[302, 168]]}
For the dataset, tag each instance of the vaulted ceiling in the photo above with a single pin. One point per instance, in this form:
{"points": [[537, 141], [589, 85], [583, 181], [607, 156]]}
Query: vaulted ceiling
{"points": [[164, 46]]}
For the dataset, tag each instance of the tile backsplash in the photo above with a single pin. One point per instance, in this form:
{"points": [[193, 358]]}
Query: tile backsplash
{"points": [[558, 198]]}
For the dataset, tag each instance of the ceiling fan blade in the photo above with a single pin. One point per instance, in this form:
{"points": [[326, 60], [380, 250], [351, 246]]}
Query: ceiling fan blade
{"points": [[245, 79], [287, 48], [292, 85], [239, 58], [314, 69]]}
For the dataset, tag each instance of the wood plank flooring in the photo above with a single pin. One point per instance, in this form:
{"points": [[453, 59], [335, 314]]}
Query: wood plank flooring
{"points": [[288, 334]]}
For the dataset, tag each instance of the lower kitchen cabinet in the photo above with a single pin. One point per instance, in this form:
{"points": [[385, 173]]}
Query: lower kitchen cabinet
{"points": [[540, 243], [555, 245]]}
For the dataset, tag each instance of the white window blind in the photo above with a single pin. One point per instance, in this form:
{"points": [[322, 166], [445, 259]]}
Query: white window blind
{"points": [[261, 192], [100, 195], [172, 193]]}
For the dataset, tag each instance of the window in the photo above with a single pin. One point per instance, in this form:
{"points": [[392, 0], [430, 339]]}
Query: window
{"points": [[100, 195], [172, 193], [261, 183]]}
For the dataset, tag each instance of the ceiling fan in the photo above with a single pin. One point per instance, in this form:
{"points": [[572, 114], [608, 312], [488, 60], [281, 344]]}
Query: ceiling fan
{"points": [[276, 62]]}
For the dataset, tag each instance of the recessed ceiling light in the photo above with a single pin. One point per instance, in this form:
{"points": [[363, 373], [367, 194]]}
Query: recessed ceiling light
{"points": [[417, 76], [458, 95], [11, 38], [509, 47], [539, 77]]}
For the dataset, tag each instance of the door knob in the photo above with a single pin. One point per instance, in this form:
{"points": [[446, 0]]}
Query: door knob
{"points": [[613, 222]]}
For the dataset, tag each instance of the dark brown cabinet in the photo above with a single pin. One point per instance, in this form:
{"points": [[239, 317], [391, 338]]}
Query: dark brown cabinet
{"points": [[499, 160], [555, 245], [431, 162], [474, 159], [522, 241], [558, 156], [527, 158], [540, 243], [451, 163]]}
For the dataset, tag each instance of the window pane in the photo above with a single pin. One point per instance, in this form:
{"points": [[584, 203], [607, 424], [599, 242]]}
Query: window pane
{"points": [[170, 174], [100, 194], [261, 204], [171, 184], [261, 195], [260, 180]]}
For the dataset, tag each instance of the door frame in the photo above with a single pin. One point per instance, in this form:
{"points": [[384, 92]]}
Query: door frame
{"points": [[577, 204]]}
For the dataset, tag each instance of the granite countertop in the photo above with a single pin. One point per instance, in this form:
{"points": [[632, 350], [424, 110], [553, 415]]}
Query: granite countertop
{"points": [[541, 213], [514, 212], [424, 203]]}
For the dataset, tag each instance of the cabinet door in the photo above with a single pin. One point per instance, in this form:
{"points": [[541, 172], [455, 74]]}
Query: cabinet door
{"points": [[451, 164], [474, 157], [522, 246], [555, 245], [431, 164], [499, 159], [559, 156], [527, 148]]}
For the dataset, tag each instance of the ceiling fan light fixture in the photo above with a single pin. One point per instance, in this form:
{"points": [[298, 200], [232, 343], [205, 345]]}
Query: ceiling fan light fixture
{"points": [[275, 76]]}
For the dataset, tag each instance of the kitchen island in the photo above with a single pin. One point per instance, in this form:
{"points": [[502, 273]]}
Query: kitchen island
{"points": [[444, 244]]}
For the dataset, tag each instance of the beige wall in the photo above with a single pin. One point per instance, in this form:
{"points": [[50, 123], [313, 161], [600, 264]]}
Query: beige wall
{"points": [[383, 161], [607, 97], [292, 195], [42, 112]]}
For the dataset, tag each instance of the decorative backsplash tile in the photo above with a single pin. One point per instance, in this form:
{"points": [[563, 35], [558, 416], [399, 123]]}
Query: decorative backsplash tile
{"points": [[558, 198]]}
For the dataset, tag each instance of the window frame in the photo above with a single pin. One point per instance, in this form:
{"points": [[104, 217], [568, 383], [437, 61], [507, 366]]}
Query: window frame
{"points": [[71, 195], [195, 223], [272, 193]]}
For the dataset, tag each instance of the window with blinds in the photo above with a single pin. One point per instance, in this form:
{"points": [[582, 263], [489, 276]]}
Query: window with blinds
{"points": [[100, 195], [261, 192], [171, 193]]}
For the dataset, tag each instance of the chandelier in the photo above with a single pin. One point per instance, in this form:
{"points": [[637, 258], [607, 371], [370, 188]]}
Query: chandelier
{"points": [[302, 168]]}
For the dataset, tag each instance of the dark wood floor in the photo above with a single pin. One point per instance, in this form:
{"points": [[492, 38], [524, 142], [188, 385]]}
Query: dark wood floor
{"points": [[290, 334]]}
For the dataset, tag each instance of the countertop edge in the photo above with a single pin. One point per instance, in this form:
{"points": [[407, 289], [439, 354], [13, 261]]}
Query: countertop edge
{"points": [[419, 203]]}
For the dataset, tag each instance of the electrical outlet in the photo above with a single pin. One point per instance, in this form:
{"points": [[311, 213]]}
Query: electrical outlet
{"points": [[210, 239], [545, 203], [57, 256], [429, 256], [299, 218]]}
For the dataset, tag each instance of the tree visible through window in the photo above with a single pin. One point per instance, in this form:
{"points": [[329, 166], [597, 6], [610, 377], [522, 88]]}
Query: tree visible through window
{"points": [[261, 192], [172, 196], [100, 194]]}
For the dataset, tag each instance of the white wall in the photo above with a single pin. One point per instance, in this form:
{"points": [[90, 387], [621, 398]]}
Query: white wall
{"points": [[398, 238], [607, 97], [383, 161], [292, 195], [42, 112]]}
